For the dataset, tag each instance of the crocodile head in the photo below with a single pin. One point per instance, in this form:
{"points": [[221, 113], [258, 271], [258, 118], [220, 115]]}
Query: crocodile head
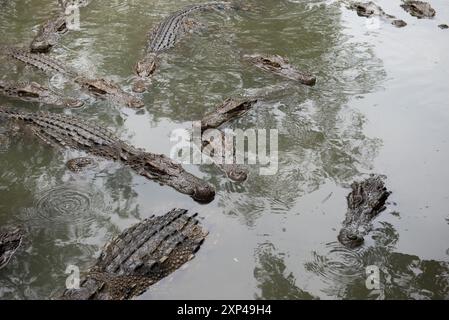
{"points": [[168, 172], [350, 238], [419, 9], [366, 200], [48, 34], [146, 67], [42, 44], [103, 87]]}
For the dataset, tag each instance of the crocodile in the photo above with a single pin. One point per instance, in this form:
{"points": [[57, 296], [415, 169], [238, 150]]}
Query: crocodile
{"points": [[51, 31], [280, 66], [141, 256], [10, 241], [38, 61], [61, 130], [365, 201], [96, 86], [78, 164], [107, 89], [229, 109], [167, 34], [370, 9], [34, 92], [419, 9]]}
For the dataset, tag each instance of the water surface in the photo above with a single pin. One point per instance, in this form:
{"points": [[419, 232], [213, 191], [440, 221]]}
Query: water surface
{"points": [[379, 106]]}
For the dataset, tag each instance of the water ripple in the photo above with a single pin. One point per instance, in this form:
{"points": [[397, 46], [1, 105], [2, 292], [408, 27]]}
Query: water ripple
{"points": [[338, 265]]}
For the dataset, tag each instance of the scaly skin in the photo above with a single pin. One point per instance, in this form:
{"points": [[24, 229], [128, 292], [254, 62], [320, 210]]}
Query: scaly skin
{"points": [[370, 9], [281, 67], [228, 110], [67, 131], [10, 241], [38, 60], [78, 164], [141, 256], [166, 35], [366, 200], [52, 30], [34, 92], [98, 87], [419, 9]]}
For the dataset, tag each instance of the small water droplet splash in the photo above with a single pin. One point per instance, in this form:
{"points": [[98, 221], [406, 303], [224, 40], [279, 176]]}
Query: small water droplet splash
{"points": [[69, 209], [338, 265]]}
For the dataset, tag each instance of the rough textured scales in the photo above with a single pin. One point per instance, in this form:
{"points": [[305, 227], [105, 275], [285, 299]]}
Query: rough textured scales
{"points": [[167, 34], [419, 9], [52, 30], [72, 132], [98, 87], [366, 200], [281, 67], [228, 110], [10, 241], [141, 256], [34, 92], [370, 9]]}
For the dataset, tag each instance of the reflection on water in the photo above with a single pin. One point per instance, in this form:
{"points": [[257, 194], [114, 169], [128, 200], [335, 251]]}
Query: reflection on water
{"points": [[402, 276], [274, 281], [323, 145]]}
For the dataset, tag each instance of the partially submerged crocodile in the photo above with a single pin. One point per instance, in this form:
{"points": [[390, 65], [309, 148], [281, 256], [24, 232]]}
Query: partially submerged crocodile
{"points": [[365, 201], [370, 9], [34, 92], [228, 110], [281, 67], [10, 240], [68, 131], [419, 9], [166, 34], [52, 30], [78, 164], [98, 87], [141, 256]]}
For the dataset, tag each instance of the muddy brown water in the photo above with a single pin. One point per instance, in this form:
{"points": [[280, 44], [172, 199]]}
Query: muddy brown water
{"points": [[380, 105]]}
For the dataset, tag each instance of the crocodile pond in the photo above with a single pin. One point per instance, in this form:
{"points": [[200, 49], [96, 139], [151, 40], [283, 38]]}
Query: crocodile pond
{"points": [[378, 104]]}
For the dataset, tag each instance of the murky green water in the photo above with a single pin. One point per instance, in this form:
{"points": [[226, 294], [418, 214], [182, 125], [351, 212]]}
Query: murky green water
{"points": [[380, 105]]}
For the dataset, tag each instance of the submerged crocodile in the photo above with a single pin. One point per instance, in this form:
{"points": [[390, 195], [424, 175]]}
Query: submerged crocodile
{"points": [[280, 66], [10, 241], [50, 32], [167, 34], [370, 9], [365, 201], [34, 92], [141, 256], [71, 132], [98, 87], [419, 9], [228, 110]]}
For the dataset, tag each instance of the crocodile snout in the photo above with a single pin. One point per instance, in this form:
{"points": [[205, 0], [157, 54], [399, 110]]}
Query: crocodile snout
{"points": [[204, 193], [350, 239]]}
